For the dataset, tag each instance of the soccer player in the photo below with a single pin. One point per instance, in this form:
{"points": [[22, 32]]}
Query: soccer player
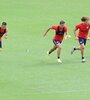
{"points": [[58, 38], [3, 32], [82, 36]]}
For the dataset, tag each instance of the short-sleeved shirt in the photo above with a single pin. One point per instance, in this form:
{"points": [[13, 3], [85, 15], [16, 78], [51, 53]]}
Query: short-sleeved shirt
{"points": [[83, 30], [59, 37], [2, 32]]}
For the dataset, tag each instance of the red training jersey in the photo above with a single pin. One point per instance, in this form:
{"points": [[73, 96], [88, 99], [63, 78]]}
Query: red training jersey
{"points": [[2, 32], [59, 37], [83, 30]]}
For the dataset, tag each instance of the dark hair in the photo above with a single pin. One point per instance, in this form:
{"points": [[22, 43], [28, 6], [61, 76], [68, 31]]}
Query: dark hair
{"points": [[4, 23], [62, 22], [83, 19]]}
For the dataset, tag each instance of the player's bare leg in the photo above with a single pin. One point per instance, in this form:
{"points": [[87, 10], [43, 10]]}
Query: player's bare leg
{"points": [[78, 48], [81, 48], [82, 52], [75, 48], [52, 50], [58, 53]]}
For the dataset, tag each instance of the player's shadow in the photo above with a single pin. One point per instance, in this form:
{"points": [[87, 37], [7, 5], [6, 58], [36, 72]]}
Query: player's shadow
{"points": [[66, 62]]}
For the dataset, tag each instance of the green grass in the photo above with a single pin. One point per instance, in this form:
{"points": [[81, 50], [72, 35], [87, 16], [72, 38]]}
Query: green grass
{"points": [[33, 75]]}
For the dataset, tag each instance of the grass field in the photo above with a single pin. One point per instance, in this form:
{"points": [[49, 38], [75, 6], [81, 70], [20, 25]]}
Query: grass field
{"points": [[26, 72]]}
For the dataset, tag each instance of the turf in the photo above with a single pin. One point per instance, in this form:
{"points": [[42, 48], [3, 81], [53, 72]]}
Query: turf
{"points": [[26, 72]]}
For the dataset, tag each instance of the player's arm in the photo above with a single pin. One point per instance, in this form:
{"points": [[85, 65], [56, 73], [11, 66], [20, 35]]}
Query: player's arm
{"points": [[88, 37], [75, 33], [6, 34], [47, 31], [67, 35]]}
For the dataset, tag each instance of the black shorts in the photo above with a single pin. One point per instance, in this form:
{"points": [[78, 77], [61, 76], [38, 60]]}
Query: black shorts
{"points": [[0, 44], [82, 41], [57, 42]]}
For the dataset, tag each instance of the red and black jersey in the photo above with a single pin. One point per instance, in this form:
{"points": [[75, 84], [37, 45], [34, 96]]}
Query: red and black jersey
{"points": [[59, 32], [2, 31]]}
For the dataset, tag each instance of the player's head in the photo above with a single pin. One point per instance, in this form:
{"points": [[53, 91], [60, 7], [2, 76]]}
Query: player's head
{"points": [[62, 23], [85, 19], [4, 24]]}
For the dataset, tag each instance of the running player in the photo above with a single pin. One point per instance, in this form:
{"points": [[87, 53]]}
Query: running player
{"points": [[82, 36], [58, 38], [3, 32]]}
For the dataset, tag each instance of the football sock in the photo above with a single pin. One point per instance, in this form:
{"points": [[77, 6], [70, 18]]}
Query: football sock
{"points": [[49, 52], [82, 57], [75, 49], [58, 57]]}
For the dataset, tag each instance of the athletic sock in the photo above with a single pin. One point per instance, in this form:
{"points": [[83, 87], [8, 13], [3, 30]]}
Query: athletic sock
{"points": [[75, 48], [58, 57], [49, 52], [82, 57]]}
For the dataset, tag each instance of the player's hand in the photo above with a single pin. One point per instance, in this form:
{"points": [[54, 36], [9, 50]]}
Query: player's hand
{"points": [[88, 38], [5, 37], [76, 38], [67, 36]]}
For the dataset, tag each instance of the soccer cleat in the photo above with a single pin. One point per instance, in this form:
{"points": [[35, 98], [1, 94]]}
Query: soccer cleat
{"points": [[72, 51], [83, 60], [59, 61]]}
